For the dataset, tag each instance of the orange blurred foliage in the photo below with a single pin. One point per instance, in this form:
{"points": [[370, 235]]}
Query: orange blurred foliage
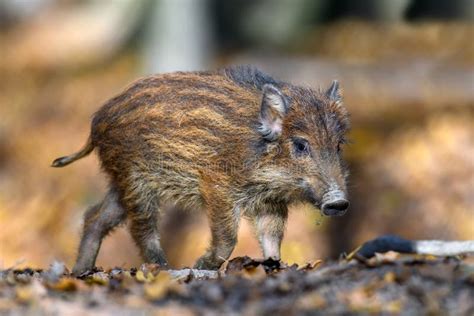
{"points": [[411, 175]]}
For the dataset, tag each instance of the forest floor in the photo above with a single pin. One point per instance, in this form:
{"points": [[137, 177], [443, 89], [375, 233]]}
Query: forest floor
{"points": [[391, 283]]}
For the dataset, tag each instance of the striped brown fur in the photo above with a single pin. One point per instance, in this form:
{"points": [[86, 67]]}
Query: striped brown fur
{"points": [[234, 142]]}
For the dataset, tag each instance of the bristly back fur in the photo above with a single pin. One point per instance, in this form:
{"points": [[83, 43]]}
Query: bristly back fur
{"points": [[249, 76]]}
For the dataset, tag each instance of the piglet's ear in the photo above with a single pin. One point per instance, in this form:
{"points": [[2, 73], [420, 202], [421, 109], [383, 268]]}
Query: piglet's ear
{"points": [[334, 92], [273, 110]]}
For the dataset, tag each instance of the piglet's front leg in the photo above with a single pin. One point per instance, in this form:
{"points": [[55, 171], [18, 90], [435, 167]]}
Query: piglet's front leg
{"points": [[270, 226]]}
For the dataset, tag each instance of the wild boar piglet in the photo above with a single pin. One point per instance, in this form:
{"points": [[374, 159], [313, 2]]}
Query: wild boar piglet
{"points": [[233, 142]]}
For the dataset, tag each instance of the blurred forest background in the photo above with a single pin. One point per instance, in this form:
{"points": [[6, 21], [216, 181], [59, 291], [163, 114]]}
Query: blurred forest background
{"points": [[406, 67]]}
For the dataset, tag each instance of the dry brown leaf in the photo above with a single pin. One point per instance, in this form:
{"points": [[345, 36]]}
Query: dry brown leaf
{"points": [[159, 287], [252, 272], [140, 277], [65, 285], [312, 265], [98, 278]]}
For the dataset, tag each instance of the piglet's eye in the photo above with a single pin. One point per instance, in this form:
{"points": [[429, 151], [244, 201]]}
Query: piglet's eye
{"points": [[301, 146]]}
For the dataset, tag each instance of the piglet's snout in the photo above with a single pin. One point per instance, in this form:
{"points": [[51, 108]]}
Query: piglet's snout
{"points": [[334, 203]]}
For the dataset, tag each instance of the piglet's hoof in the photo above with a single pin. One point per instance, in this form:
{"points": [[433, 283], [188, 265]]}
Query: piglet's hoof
{"points": [[208, 263]]}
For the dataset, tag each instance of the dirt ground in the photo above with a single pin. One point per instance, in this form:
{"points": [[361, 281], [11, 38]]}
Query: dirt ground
{"points": [[388, 284]]}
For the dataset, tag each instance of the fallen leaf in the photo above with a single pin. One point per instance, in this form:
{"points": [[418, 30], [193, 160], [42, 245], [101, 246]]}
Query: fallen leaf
{"points": [[253, 272], [99, 278], [140, 276], [238, 264], [159, 287], [311, 265], [64, 284]]}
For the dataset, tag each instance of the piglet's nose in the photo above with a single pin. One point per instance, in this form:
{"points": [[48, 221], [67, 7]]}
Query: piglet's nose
{"points": [[334, 203], [335, 208]]}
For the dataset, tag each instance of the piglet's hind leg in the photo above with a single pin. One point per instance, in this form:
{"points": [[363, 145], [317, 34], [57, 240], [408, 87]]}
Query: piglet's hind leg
{"points": [[99, 220]]}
